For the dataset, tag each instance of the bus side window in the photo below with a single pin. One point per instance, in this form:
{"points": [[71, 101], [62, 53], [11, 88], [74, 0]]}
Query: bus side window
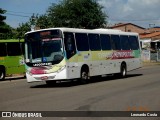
{"points": [[69, 44], [82, 41], [134, 42], [13, 49], [105, 42], [3, 51], [125, 42], [94, 42], [116, 43]]}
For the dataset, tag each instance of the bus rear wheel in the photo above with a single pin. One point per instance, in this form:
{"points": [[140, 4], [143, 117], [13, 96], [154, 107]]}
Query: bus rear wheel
{"points": [[84, 76], [123, 72], [2, 74]]}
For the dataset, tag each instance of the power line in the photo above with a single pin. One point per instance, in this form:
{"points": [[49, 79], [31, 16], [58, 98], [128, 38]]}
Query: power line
{"points": [[18, 12], [17, 15]]}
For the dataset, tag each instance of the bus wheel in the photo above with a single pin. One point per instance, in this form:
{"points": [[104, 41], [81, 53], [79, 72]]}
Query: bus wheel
{"points": [[123, 72], [2, 74], [84, 76]]}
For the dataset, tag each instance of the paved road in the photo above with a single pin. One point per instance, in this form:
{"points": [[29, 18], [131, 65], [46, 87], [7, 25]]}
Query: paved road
{"points": [[139, 91]]}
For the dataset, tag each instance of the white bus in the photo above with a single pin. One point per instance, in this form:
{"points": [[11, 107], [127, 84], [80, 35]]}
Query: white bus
{"points": [[67, 53]]}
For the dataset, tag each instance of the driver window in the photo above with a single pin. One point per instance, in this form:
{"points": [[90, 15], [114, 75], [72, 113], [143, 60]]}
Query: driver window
{"points": [[69, 44]]}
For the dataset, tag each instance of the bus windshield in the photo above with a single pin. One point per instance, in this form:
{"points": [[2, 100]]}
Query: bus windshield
{"points": [[44, 47]]}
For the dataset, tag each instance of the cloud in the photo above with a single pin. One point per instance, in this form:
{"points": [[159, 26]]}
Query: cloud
{"points": [[140, 12], [145, 8]]}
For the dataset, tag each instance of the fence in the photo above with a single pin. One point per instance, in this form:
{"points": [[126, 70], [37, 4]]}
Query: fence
{"points": [[158, 56], [148, 56]]}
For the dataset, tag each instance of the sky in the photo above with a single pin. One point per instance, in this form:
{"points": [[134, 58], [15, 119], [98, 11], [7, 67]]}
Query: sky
{"points": [[144, 13]]}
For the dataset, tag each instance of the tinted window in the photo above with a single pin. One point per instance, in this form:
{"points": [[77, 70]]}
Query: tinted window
{"points": [[116, 44], [105, 42], [94, 42], [69, 44], [3, 49], [22, 48], [13, 49], [134, 42], [34, 49], [82, 41], [125, 42]]}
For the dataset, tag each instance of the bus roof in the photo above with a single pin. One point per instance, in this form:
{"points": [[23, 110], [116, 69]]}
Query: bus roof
{"points": [[99, 31], [11, 40]]}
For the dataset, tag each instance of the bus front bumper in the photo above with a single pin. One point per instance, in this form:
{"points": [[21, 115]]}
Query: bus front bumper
{"points": [[46, 77]]}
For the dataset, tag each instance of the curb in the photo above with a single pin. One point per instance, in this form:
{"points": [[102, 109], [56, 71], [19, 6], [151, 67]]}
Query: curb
{"points": [[150, 63]]}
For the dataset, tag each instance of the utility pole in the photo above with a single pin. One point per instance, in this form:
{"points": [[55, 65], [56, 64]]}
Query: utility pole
{"points": [[33, 22]]}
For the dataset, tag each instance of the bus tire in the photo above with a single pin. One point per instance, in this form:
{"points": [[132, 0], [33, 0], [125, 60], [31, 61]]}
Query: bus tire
{"points": [[84, 75], [123, 71], [2, 73]]}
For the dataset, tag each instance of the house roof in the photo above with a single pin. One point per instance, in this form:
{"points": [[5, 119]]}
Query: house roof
{"points": [[154, 29], [150, 35], [124, 24]]}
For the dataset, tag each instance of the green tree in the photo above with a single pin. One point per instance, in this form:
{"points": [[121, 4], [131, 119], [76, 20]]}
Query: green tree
{"points": [[25, 27], [43, 22], [2, 23], [5, 30], [22, 29], [77, 14]]}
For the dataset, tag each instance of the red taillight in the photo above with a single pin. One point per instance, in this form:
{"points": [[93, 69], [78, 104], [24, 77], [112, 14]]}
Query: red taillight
{"points": [[37, 71]]}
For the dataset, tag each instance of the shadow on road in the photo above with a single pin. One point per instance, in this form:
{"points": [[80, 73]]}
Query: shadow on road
{"points": [[13, 78], [77, 82]]}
